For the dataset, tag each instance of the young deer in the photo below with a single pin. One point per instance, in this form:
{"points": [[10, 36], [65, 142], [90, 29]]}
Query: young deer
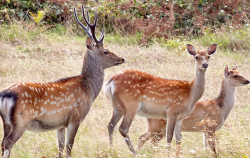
{"points": [[217, 109], [133, 92], [40, 107]]}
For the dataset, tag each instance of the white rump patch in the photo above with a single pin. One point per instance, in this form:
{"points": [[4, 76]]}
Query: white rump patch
{"points": [[109, 89], [6, 105]]}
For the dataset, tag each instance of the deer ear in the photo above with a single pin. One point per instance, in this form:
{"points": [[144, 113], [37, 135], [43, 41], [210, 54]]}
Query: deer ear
{"points": [[235, 68], [191, 49], [89, 43], [212, 49], [226, 71]]}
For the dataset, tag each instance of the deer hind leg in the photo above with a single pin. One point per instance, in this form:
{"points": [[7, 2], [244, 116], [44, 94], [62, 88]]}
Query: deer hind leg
{"points": [[71, 133], [157, 137], [7, 130], [117, 114], [142, 139], [11, 136], [61, 140], [124, 128]]}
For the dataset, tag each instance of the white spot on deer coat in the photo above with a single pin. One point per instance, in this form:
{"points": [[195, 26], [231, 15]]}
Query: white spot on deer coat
{"points": [[26, 94]]}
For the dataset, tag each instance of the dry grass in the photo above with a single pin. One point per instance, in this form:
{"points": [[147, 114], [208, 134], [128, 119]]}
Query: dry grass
{"points": [[51, 57]]}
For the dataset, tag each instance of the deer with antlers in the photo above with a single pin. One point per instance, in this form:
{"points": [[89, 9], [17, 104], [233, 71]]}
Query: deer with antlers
{"points": [[137, 93], [41, 107], [216, 109]]}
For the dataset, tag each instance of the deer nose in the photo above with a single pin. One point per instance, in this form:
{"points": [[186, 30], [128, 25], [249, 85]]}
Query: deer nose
{"points": [[205, 65], [247, 82], [123, 60]]}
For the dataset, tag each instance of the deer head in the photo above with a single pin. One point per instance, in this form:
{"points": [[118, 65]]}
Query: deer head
{"points": [[201, 57], [234, 78], [95, 47]]}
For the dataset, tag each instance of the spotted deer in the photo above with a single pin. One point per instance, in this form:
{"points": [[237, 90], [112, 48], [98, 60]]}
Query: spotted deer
{"points": [[57, 105], [138, 93], [216, 109]]}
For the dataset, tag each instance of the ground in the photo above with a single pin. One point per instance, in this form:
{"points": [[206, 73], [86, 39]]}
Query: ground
{"points": [[47, 57]]}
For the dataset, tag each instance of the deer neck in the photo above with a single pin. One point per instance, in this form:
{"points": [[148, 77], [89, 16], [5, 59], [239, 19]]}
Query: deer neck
{"points": [[198, 86], [92, 75], [226, 97]]}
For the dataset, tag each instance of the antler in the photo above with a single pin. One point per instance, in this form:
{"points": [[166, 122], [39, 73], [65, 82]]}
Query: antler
{"points": [[90, 27]]}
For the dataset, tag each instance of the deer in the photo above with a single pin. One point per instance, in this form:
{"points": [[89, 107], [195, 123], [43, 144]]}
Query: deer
{"points": [[133, 92], [57, 105], [217, 109]]}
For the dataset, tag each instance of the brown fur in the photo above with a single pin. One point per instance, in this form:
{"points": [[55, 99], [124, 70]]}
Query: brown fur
{"points": [[40, 107], [137, 93], [209, 109]]}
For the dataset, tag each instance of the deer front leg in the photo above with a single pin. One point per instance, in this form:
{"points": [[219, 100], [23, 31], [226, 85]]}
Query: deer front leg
{"points": [[71, 133], [205, 140], [171, 121], [61, 140], [177, 132]]}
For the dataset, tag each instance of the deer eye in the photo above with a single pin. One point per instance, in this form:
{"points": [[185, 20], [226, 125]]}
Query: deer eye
{"points": [[208, 57], [106, 52], [235, 76], [196, 57]]}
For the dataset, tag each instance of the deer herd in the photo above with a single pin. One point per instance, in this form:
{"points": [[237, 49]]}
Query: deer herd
{"points": [[170, 106]]}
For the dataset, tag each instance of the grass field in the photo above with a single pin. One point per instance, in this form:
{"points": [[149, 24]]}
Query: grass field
{"points": [[33, 55]]}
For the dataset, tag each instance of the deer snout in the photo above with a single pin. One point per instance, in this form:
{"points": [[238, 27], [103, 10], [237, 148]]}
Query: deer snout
{"points": [[205, 65], [120, 61], [247, 82]]}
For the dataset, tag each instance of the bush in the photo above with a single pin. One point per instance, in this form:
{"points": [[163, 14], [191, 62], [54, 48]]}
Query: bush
{"points": [[152, 18]]}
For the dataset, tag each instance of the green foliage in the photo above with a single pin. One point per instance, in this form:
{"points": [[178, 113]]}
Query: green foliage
{"points": [[34, 10], [143, 19], [233, 40]]}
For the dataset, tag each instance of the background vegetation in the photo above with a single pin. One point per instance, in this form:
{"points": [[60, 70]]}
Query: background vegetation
{"points": [[40, 42], [152, 18]]}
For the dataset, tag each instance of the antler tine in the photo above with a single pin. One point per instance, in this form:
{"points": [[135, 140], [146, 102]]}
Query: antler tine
{"points": [[92, 27], [85, 28], [87, 16], [102, 37]]}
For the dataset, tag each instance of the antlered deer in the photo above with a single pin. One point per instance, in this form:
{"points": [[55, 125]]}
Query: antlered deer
{"points": [[216, 109], [133, 92], [40, 107]]}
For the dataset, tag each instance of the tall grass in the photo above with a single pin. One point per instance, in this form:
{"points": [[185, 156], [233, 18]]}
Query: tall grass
{"points": [[36, 54]]}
